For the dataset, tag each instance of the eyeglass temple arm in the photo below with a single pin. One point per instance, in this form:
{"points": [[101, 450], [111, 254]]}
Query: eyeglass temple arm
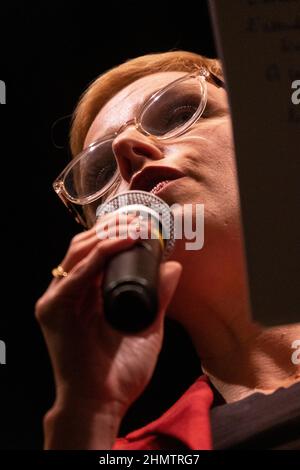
{"points": [[217, 81], [76, 214]]}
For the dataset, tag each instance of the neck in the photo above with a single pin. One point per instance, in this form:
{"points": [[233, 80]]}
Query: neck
{"points": [[262, 364], [248, 358], [241, 357]]}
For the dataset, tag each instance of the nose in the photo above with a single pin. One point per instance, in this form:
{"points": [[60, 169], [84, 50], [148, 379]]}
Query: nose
{"points": [[132, 150]]}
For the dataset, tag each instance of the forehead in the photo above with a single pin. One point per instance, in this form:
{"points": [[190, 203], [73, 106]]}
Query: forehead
{"points": [[123, 106]]}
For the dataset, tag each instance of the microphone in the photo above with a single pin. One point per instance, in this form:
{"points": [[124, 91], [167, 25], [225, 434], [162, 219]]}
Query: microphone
{"points": [[130, 283]]}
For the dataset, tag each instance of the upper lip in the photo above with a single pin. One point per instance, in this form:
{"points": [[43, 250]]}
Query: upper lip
{"points": [[150, 176]]}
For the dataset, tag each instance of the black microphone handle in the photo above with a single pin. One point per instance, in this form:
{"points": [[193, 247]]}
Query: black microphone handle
{"points": [[130, 287]]}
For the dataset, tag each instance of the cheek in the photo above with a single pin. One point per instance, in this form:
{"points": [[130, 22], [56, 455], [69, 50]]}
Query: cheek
{"points": [[220, 144], [213, 169], [208, 153], [220, 164]]}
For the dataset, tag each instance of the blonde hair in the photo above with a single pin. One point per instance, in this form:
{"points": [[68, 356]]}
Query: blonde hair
{"points": [[108, 84]]}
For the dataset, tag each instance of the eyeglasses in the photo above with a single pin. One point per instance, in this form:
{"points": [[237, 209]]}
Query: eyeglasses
{"points": [[93, 175]]}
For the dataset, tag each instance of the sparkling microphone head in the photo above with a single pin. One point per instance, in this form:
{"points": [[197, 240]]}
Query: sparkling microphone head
{"points": [[148, 206], [130, 284]]}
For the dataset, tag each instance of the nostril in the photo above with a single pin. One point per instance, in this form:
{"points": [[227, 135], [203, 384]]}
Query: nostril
{"points": [[142, 151]]}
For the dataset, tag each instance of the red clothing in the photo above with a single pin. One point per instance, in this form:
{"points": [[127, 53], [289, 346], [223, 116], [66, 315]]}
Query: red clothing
{"points": [[186, 425]]}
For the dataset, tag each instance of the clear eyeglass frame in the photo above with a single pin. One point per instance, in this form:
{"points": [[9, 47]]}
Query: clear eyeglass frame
{"points": [[76, 205]]}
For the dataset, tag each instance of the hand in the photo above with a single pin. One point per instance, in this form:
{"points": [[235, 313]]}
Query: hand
{"points": [[94, 365]]}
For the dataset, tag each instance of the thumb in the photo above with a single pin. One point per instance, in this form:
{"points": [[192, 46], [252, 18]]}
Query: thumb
{"points": [[170, 273]]}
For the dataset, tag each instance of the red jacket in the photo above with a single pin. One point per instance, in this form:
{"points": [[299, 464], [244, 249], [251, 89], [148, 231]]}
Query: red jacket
{"points": [[186, 425]]}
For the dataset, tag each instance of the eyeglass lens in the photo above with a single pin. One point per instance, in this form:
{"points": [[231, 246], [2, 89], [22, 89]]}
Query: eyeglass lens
{"points": [[165, 115]]}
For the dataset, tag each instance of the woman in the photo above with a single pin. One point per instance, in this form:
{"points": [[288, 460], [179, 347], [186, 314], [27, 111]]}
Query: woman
{"points": [[98, 371]]}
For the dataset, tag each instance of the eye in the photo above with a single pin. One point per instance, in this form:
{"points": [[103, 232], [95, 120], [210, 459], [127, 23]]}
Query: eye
{"points": [[180, 115], [97, 169], [96, 176], [172, 110]]}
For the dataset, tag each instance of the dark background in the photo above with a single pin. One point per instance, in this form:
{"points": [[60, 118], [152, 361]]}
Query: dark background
{"points": [[49, 54]]}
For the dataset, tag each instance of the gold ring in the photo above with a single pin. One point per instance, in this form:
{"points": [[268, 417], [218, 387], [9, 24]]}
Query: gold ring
{"points": [[59, 272]]}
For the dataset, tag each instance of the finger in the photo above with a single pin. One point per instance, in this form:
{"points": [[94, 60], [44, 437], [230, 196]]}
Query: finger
{"points": [[115, 229], [92, 266], [82, 246], [103, 220], [112, 219]]}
